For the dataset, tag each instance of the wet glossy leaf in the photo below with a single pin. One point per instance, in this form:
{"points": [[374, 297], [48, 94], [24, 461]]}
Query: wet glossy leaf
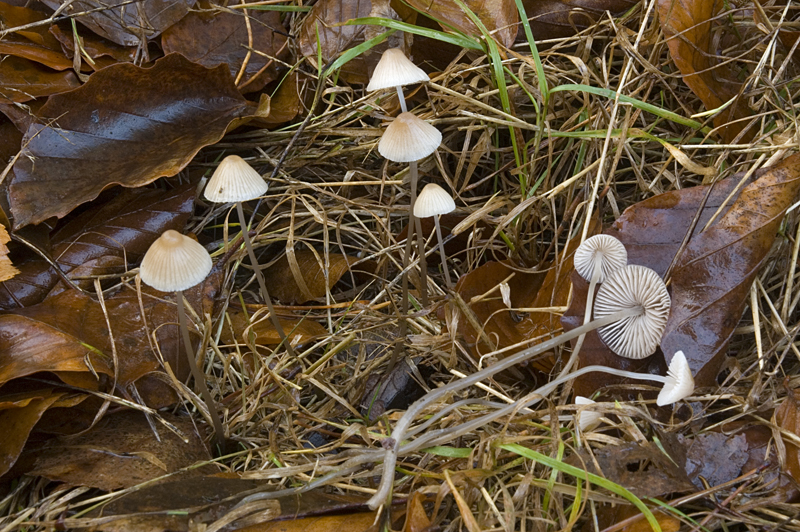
{"points": [[716, 457], [158, 120], [304, 278], [553, 19], [124, 227], [125, 23], [687, 25], [121, 451], [22, 80], [712, 277], [34, 43], [222, 38]]}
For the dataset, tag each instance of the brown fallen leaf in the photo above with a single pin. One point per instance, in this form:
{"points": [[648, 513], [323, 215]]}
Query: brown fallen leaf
{"points": [[211, 39], [22, 80], [94, 46], [121, 451], [122, 22], [298, 331], [7, 270], [787, 417], [19, 413], [609, 515], [283, 106], [416, 516], [34, 43], [712, 277], [554, 19], [155, 125], [499, 17], [98, 240], [687, 25], [304, 278]]}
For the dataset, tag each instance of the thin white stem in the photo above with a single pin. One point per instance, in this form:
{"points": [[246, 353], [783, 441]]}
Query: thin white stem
{"points": [[418, 406], [441, 252], [402, 98], [587, 315]]}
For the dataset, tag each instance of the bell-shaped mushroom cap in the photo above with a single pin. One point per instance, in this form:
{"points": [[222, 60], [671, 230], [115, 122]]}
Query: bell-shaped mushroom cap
{"points": [[633, 287], [174, 262], [587, 419], [600, 251], [679, 384], [395, 69], [234, 180], [433, 200], [409, 138]]}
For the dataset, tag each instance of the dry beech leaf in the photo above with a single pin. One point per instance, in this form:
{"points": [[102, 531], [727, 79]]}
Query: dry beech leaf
{"points": [[158, 120], [97, 241], [499, 17], [34, 43], [94, 46], [123, 22], [299, 331], [787, 417], [283, 106], [19, 413], [283, 284], [7, 270], [22, 80], [687, 25], [553, 19], [610, 515], [121, 451], [416, 516], [211, 39], [712, 277]]}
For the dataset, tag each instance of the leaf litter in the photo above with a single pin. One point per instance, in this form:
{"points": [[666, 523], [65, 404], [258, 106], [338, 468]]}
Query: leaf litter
{"points": [[535, 171]]}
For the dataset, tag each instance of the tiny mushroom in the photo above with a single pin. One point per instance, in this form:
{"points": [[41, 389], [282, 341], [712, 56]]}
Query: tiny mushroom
{"points": [[434, 201], [587, 419], [633, 286], [174, 263], [236, 181], [678, 383], [395, 70], [408, 139]]}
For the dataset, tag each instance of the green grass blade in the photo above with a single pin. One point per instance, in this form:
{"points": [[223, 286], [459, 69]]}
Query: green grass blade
{"points": [[456, 39], [585, 475], [355, 51]]}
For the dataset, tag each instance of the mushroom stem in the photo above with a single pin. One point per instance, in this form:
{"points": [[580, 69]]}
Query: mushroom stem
{"points": [[411, 413], [413, 221], [262, 285], [441, 252], [199, 377], [587, 316], [402, 97]]}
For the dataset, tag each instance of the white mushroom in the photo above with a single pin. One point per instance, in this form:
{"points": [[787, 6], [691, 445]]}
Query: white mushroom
{"points": [[434, 201]]}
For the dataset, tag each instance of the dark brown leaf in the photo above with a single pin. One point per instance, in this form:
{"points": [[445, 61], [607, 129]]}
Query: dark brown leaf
{"points": [[498, 16], [122, 228], [262, 331], [283, 106], [687, 25], [33, 43], [301, 278], [712, 278], [22, 80], [123, 22], [156, 122], [211, 39], [121, 451], [553, 19], [94, 46]]}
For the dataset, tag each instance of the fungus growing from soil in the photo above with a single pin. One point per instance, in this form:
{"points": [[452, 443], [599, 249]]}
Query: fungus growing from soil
{"points": [[174, 263], [236, 181]]}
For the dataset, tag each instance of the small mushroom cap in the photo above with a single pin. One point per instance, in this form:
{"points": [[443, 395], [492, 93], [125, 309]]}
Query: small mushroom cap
{"points": [[395, 69], [631, 287], [174, 262], [603, 251], [587, 419], [680, 383], [409, 138], [234, 180], [433, 200]]}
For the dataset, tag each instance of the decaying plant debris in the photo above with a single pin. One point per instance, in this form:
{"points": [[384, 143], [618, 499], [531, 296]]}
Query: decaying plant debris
{"points": [[333, 205]]}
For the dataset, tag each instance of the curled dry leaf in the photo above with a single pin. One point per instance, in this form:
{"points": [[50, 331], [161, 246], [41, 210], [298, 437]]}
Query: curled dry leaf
{"points": [[159, 119], [553, 19], [121, 451], [7, 270], [306, 279], [22, 80], [34, 43], [123, 22], [211, 39], [99, 240], [499, 17], [687, 25]]}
